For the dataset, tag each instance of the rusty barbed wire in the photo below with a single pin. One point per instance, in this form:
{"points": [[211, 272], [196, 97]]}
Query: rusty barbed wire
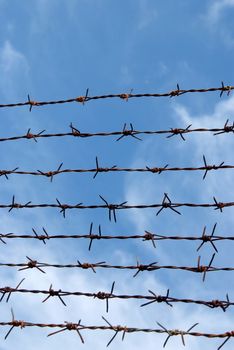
{"points": [[125, 132], [203, 269], [112, 208], [147, 236], [106, 296], [79, 327], [98, 169], [124, 96]]}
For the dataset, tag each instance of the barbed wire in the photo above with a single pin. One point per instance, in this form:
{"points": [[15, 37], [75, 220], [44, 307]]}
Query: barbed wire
{"points": [[112, 208], [124, 133], [31, 263], [124, 96], [98, 169], [147, 236], [78, 327], [106, 296]]}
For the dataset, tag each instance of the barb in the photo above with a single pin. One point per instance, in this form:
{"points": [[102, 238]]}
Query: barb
{"points": [[166, 203], [30, 265], [131, 132], [124, 96], [113, 207], [16, 205], [159, 299], [77, 133], [204, 269], [51, 173], [93, 236], [141, 267], [70, 327], [88, 265], [99, 169], [14, 323], [53, 293], [206, 238], [179, 132], [106, 296], [175, 332], [210, 167], [8, 290], [39, 237], [117, 329]]}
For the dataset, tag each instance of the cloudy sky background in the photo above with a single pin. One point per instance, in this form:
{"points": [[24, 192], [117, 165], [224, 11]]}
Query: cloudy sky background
{"points": [[57, 49]]}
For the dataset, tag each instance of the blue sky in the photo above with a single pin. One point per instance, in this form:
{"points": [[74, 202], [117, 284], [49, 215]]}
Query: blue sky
{"points": [[53, 49]]}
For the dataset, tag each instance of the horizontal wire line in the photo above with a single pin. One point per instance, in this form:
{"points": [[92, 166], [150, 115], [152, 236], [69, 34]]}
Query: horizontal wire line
{"points": [[124, 96], [116, 206], [146, 237], [159, 170], [139, 267], [171, 132], [215, 303], [119, 328]]}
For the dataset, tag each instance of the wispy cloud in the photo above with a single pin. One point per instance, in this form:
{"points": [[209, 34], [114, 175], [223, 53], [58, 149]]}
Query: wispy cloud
{"points": [[147, 14], [14, 69], [217, 9], [214, 20]]}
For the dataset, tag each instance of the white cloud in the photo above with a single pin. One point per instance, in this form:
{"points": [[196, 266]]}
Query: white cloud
{"points": [[14, 69], [214, 20], [147, 14], [216, 10]]}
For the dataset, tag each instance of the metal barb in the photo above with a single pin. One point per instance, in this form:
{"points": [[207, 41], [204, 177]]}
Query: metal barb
{"points": [[128, 132], [178, 131], [53, 293], [227, 89], [208, 238], [94, 236], [100, 169], [226, 129], [166, 203], [112, 207]]}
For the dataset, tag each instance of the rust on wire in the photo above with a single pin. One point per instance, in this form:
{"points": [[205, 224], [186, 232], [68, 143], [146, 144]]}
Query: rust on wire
{"points": [[166, 204], [152, 298], [204, 269], [124, 96], [124, 133], [147, 236], [78, 327], [98, 169]]}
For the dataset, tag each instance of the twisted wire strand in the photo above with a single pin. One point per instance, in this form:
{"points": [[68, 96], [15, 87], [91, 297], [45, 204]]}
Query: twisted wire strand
{"points": [[113, 207], [125, 132], [30, 264], [155, 170], [215, 303], [78, 327], [124, 96]]}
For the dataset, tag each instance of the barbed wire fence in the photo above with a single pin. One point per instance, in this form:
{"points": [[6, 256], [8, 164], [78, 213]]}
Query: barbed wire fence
{"points": [[6, 292]]}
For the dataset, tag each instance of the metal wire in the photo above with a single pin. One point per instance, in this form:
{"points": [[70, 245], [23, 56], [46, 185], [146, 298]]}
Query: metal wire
{"points": [[166, 204], [106, 296], [147, 236], [125, 132], [124, 96], [155, 170], [78, 327]]}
